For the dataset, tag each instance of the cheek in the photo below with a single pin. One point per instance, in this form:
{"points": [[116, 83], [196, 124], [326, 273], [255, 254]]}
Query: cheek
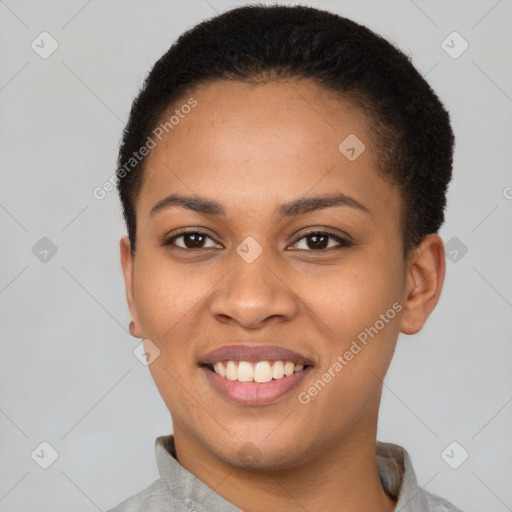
{"points": [[354, 296], [360, 306], [169, 302], [359, 312], [166, 295]]}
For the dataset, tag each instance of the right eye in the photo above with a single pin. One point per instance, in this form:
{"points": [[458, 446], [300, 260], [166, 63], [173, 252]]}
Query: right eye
{"points": [[193, 240]]}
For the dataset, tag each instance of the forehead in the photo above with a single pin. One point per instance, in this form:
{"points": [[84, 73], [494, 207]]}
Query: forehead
{"points": [[285, 115], [263, 142]]}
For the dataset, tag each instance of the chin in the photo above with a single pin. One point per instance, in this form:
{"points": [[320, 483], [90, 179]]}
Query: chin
{"points": [[258, 454]]}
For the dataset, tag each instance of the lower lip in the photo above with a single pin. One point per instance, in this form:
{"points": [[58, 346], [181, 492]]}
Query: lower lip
{"points": [[255, 393]]}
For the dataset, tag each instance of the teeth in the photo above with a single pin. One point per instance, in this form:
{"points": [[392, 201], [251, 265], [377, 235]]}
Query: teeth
{"points": [[219, 368], [231, 370], [262, 371], [289, 368], [278, 370], [245, 372]]}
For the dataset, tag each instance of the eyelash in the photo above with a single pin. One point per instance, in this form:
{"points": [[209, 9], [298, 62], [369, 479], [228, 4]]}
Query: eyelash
{"points": [[343, 242]]}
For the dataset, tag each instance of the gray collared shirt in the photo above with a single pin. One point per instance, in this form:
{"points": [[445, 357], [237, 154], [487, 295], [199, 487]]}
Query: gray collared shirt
{"points": [[178, 490]]}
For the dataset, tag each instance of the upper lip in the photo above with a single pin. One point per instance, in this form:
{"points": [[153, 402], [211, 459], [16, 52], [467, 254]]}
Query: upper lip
{"points": [[254, 353]]}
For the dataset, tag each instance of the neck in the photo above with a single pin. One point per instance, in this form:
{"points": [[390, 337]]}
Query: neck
{"points": [[343, 478]]}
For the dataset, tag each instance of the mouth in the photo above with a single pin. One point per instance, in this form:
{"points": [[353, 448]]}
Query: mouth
{"points": [[254, 375], [260, 371]]}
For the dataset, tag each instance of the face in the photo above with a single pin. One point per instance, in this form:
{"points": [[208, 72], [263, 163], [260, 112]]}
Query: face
{"points": [[265, 253]]}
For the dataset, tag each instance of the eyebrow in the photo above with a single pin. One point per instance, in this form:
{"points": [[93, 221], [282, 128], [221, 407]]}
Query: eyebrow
{"points": [[196, 203], [292, 208], [309, 204]]}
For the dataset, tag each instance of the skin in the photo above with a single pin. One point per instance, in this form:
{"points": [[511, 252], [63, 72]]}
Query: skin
{"points": [[251, 149]]}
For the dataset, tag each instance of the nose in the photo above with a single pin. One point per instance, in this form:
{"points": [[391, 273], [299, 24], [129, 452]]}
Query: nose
{"points": [[253, 295]]}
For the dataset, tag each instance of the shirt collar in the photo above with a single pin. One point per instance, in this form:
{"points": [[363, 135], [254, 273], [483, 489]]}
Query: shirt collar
{"points": [[393, 463], [183, 485], [398, 479]]}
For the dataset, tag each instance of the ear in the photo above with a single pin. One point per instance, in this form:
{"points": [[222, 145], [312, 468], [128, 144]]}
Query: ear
{"points": [[127, 265], [426, 267]]}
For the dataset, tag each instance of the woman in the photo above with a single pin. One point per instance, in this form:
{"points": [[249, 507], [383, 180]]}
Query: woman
{"points": [[283, 177]]}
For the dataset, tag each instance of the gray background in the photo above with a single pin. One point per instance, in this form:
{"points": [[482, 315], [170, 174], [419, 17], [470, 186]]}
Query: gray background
{"points": [[68, 375]]}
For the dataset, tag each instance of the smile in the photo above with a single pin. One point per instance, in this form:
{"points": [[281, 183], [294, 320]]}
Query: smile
{"points": [[254, 374], [261, 371]]}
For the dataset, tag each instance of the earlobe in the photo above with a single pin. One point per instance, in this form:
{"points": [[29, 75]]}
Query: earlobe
{"points": [[424, 281], [127, 266]]}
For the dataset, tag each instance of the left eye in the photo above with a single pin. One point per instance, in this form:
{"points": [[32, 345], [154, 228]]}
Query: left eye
{"points": [[320, 240]]}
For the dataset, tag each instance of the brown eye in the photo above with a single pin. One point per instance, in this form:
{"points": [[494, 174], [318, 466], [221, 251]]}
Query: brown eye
{"points": [[320, 240], [192, 240]]}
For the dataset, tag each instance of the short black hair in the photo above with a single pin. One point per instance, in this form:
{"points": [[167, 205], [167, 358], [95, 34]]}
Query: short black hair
{"points": [[411, 133]]}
